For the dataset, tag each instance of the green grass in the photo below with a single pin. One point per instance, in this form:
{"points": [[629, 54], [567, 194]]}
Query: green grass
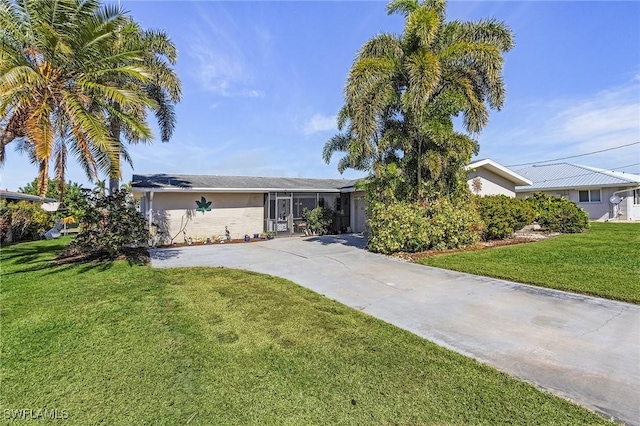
{"points": [[121, 345], [603, 262]]}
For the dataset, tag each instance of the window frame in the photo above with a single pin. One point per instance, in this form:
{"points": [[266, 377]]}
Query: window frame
{"points": [[590, 198]]}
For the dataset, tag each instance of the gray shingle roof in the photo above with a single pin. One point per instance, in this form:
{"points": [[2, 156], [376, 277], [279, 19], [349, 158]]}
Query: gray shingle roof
{"points": [[212, 182], [570, 176], [12, 195]]}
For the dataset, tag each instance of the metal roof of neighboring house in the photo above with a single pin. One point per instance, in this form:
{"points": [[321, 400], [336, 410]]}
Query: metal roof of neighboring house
{"points": [[499, 170], [212, 183], [571, 176], [12, 195]]}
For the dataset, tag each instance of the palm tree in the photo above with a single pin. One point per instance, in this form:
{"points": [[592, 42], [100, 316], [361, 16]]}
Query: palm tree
{"points": [[158, 54], [57, 65], [417, 82]]}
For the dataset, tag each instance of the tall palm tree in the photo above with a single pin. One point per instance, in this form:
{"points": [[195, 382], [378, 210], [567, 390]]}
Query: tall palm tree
{"points": [[57, 65], [158, 54], [422, 78]]}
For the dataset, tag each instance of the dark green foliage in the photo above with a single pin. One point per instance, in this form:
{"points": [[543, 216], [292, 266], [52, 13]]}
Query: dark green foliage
{"points": [[67, 194], [319, 220], [503, 215], [559, 214], [27, 221], [109, 225], [412, 227]]}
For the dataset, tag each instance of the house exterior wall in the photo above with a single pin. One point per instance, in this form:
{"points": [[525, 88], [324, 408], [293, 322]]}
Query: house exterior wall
{"points": [[491, 183], [599, 210], [174, 212]]}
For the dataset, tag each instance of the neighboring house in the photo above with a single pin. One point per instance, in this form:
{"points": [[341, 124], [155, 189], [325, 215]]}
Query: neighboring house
{"points": [[604, 194], [48, 204], [486, 177], [19, 196]]}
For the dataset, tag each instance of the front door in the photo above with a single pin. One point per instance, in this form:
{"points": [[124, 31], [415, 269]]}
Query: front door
{"points": [[283, 215]]}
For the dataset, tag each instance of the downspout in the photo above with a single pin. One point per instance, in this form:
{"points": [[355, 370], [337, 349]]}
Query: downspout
{"points": [[150, 208], [616, 206]]}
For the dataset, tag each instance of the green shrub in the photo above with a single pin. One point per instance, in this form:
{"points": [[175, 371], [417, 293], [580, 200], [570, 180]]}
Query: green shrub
{"points": [[503, 215], [413, 227], [27, 221], [319, 220], [108, 226], [558, 214]]}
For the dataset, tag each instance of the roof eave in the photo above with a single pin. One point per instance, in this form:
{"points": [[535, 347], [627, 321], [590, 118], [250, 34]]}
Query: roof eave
{"points": [[501, 171]]}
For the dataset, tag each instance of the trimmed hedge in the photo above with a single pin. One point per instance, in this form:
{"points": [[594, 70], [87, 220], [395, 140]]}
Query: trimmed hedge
{"points": [[414, 227], [558, 214], [504, 215]]}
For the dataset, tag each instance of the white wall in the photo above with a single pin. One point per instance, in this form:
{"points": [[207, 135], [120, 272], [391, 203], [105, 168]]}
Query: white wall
{"points": [[492, 184], [175, 211]]}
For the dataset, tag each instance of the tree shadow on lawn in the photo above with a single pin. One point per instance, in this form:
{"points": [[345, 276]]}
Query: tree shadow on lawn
{"points": [[25, 253], [82, 263]]}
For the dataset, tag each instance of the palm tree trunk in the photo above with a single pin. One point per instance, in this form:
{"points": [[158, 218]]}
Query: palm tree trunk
{"points": [[114, 169], [43, 178]]}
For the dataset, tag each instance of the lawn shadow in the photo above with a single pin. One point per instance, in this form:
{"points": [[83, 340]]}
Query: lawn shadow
{"points": [[28, 253], [349, 240]]}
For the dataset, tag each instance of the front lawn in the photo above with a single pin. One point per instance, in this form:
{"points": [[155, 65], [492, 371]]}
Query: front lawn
{"points": [[117, 344], [603, 262]]}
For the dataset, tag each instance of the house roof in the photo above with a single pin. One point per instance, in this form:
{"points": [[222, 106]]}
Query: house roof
{"points": [[499, 170], [572, 176], [12, 195], [213, 183]]}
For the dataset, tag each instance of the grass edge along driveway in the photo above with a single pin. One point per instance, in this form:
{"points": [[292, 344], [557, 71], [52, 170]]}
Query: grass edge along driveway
{"points": [[118, 344], [603, 262]]}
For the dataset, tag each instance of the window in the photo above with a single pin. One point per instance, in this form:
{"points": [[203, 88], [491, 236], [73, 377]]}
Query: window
{"points": [[636, 196], [589, 196], [301, 202]]}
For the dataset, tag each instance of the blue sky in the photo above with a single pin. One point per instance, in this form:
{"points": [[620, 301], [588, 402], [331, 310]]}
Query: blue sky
{"points": [[263, 82]]}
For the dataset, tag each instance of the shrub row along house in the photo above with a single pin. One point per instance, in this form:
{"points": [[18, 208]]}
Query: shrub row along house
{"points": [[178, 206]]}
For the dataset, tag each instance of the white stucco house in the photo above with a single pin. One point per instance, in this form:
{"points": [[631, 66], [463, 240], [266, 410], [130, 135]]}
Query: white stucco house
{"points": [[178, 206], [604, 194]]}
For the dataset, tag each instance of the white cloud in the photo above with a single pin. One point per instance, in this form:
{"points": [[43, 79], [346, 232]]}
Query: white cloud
{"points": [[554, 128], [320, 123], [221, 66]]}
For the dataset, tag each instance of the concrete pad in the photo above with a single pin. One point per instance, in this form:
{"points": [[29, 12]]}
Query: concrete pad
{"points": [[582, 348]]}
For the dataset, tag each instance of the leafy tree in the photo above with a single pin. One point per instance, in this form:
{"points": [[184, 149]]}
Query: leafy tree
{"points": [[403, 90], [66, 193], [26, 220], [110, 224], [158, 53], [62, 74]]}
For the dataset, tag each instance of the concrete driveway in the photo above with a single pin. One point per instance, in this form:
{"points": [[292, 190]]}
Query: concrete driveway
{"points": [[582, 348]]}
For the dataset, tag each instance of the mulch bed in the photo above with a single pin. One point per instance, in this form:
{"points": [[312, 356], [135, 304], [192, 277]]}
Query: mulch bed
{"points": [[518, 239], [233, 241]]}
